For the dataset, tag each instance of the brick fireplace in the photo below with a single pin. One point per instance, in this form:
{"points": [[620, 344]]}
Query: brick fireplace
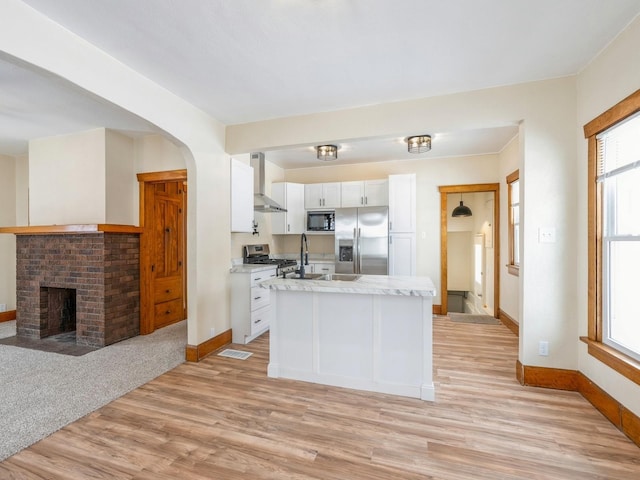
{"points": [[85, 279]]}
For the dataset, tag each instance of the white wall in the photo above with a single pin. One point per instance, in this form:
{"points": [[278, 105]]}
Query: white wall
{"points": [[611, 77], [7, 241], [67, 179], [509, 162]]}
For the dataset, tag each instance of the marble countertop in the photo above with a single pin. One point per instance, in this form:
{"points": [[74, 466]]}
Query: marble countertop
{"points": [[251, 268], [366, 284]]}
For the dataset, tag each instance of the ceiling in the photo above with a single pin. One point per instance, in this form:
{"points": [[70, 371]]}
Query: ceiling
{"points": [[247, 60]]}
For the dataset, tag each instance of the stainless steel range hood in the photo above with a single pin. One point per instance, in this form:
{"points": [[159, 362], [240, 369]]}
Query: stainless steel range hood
{"points": [[261, 203]]}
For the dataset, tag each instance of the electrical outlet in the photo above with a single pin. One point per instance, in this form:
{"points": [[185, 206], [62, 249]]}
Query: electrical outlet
{"points": [[543, 348], [3, 307], [547, 235], [213, 332]]}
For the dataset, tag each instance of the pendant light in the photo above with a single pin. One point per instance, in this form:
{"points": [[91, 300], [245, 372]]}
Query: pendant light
{"points": [[461, 210]]}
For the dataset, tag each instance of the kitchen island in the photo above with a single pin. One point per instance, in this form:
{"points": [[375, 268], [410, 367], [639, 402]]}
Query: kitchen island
{"points": [[373, 333]]}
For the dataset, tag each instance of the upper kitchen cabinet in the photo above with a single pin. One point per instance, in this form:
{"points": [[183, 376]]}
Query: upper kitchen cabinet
{"points": [[322, 195], [291, 197], [402, 203], [241, 197], [368, 193]]}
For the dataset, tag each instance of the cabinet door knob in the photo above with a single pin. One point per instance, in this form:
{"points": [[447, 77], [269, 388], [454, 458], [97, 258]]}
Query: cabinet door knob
{"points": [[257, 298]]}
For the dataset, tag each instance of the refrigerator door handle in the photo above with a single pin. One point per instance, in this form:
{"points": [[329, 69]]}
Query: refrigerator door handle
{"points": [[359, 255], [355, 250]]}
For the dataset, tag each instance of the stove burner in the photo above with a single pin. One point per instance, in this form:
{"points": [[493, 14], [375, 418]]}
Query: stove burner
{"points": [[259, 255]]}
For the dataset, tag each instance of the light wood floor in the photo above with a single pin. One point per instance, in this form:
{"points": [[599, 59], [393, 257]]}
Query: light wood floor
{"points": [[224, 419]]}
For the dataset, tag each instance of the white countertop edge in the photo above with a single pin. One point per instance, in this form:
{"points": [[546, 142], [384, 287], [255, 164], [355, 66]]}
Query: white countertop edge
{"points": [[367, 284]]}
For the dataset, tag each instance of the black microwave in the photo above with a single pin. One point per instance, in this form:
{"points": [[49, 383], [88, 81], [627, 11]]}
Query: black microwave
{"points": [[321, 221]]}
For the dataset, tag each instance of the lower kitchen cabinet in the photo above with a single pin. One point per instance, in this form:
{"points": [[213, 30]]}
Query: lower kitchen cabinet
{"points": [[250, 304]]}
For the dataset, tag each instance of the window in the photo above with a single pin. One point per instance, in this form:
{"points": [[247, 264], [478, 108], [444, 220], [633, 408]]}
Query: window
{"points": [[618, 165], [614, 237], [513, 199]]}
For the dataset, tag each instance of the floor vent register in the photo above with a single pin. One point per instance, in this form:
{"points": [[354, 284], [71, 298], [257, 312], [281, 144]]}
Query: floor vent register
{"points": [[238, 354]]}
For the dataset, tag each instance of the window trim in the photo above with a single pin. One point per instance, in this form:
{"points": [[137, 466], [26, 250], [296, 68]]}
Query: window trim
{"points": [[512, 267], [608, 355]]}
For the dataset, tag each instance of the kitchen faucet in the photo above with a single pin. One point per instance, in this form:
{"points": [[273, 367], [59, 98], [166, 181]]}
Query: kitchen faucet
{"points": [[304, 254]]}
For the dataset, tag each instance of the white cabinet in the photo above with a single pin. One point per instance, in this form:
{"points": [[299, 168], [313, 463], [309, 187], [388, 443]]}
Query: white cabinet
{"points": [[322, 195], [402, 224], [402, 203], [241, 197], [368, 193], [402, 253], [324, 268], [250, 305], [291, 197]]}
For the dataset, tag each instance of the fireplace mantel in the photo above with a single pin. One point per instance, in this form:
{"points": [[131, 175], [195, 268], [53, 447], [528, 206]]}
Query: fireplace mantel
{"points": [[68, 229]]}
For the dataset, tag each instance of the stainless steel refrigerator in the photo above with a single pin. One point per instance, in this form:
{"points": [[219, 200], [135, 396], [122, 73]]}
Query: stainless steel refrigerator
{"points": [[362, 240]]}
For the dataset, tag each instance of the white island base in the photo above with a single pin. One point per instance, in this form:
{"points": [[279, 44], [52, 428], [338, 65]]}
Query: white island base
{"points": [[375, 342]]}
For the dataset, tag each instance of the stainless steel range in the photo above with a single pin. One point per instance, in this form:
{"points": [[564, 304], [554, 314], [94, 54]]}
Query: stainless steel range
{"points": [[259, 254]]}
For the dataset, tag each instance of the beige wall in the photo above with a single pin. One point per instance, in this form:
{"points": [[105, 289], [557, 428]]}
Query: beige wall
{"points": [[22, 190], [7, 241], [509, 161], [155, 153], [67, 179], [598, 89], [121, 190]]}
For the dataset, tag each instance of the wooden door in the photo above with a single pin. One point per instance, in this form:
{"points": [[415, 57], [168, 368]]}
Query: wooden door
{"points": [[163, 276]]}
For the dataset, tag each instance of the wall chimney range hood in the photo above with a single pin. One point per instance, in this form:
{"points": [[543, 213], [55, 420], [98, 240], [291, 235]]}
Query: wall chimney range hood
{"points": [[261, 203]]}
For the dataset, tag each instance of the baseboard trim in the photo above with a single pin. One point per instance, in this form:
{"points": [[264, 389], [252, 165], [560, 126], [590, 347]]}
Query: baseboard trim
{"points": [[556, 378], [437, 309], [195, 353], [7, 316], [509, 322], [625, 420]]}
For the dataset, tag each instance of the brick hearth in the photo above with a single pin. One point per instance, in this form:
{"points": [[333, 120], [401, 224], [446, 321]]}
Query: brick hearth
{"points": [[103, 269]]}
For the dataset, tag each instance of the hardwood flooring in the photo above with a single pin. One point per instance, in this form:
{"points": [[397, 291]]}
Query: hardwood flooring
{"points": [[223, 418]]}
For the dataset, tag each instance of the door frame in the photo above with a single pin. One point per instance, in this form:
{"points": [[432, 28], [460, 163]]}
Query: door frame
{"points": [[146, 288], [444, 215]]}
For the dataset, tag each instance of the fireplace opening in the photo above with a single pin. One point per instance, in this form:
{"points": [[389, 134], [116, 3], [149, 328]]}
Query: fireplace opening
{"points": [[58, 311]]}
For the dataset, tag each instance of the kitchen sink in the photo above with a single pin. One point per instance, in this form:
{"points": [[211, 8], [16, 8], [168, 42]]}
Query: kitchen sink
{"points": [[308, 276], [343, 277]]}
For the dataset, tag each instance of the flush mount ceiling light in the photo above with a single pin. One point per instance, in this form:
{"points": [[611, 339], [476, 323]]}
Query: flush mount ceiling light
{"points": [[327, 153], [461, 210], [419, 144]]}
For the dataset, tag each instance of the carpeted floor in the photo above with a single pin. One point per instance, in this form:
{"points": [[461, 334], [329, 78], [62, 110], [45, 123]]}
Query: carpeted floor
{"points": [[40, 392], [471, 318]]}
